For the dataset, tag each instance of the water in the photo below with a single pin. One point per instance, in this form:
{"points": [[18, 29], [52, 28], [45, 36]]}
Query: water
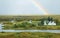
{"points": [[1, 26], [50, 31]]}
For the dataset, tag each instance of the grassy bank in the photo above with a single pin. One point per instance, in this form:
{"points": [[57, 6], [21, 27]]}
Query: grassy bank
{"points": [[30, 35], [34, 28], [29, 26]]}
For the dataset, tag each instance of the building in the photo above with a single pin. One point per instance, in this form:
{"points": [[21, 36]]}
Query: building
{"points": [[49, 21]]}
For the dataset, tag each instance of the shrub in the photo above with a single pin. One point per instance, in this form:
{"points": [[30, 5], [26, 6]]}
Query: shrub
{"points": [[15, 26]]}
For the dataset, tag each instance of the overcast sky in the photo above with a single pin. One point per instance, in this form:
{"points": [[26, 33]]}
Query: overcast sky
{"points": [[24, 7]]}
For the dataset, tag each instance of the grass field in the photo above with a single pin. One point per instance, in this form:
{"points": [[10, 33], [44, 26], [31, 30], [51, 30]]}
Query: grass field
{"points": [[27, 26], [30, 35], [21, 24]]}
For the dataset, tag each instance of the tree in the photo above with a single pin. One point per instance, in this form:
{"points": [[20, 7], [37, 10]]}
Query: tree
{"points": [[50, 19], [57, 21], [42, 21], [15, 26]]}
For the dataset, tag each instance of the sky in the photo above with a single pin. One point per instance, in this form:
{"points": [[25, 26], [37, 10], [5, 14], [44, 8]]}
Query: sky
{"points": [[26, 7]]}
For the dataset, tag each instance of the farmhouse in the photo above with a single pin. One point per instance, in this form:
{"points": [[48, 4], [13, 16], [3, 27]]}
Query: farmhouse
{"points": [[49, 21]]}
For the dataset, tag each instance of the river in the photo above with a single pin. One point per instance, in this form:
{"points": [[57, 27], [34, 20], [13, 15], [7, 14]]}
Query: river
{"points": [[50, 31]]}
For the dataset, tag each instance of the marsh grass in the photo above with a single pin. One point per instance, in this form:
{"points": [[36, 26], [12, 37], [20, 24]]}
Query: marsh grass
{"points": [[30, 35]]}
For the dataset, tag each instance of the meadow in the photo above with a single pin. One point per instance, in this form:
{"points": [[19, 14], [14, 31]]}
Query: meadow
{"points": [[30, 35], [22, 22]]}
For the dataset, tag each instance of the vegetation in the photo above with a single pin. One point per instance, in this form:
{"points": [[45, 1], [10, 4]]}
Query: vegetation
{"points": [[29, 26], [30, 35], [22, 22]]}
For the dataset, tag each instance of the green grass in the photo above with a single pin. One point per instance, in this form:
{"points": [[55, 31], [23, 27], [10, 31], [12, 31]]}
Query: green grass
{"points": [[30, 35], [27, 26], [21, 25]]}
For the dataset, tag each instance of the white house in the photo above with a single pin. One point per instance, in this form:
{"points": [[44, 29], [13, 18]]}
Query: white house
{"points": [[49, 23]]}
